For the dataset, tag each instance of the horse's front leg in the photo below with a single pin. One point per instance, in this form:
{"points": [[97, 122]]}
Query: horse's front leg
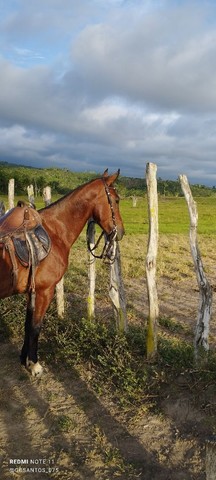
{"points": [[33, 324]]}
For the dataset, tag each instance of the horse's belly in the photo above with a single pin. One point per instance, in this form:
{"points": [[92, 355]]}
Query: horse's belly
{"points": [[7, 287]]}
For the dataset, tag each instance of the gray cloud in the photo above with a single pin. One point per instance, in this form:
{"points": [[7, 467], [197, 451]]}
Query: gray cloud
{"points": [[165, 59], [89, 85]]}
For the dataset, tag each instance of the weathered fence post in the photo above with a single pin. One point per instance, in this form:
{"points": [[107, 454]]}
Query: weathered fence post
{"points": [[117, 293], [205, 290], [91, 272], [47, 195], [134, 198], [11, 193], [2, 208], [151, 259], [211, 459], [30, 191], [60, 298]]}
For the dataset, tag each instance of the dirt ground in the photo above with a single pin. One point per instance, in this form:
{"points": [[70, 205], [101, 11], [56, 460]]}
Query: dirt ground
{"points": [[56, 427]]}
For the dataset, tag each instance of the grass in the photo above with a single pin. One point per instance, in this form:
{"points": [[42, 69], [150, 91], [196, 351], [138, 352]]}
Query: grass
{"points": [[173, 215]]}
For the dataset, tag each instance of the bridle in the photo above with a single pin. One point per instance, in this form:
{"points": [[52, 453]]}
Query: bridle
{"points": [[109, 249]]}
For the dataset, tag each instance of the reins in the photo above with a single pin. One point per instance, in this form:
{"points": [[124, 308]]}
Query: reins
{"points": [[109, 250]]}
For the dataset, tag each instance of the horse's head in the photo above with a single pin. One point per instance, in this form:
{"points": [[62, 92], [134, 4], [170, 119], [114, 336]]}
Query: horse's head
{"points": [[106, 212]]}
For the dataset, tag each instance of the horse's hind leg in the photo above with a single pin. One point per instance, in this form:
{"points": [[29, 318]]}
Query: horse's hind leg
{"points": [[33, 325]]}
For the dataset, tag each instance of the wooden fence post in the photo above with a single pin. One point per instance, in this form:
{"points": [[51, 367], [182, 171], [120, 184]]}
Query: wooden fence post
{"points": [[30, 191], [211, 459], [117, 293], [151, 258], [60, 298], [134, 199], [2, 208], [11, 194], [205, 290], [91, 272], [47, 195]]}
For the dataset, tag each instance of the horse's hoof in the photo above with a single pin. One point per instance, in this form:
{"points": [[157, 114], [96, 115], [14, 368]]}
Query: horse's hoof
{"points": [[34, 368]]}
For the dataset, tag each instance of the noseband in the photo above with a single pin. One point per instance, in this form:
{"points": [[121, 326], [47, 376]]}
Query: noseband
{"points": [[109, 246]]}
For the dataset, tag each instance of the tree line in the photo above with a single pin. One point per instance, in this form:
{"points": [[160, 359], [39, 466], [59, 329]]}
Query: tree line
{"points": [[62, 181]]}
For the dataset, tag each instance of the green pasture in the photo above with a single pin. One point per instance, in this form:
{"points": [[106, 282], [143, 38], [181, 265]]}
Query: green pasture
{"points": [[173, 214]]}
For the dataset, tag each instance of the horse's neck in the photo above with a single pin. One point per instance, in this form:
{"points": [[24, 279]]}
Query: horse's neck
{"points": [[67, 217]]}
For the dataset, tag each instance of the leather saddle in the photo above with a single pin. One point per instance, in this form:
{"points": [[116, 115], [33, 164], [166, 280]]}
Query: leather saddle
{"points": [[24, 237]]}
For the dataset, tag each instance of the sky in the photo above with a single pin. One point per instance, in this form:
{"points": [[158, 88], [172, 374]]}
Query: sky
{"points": [[93, 84]]}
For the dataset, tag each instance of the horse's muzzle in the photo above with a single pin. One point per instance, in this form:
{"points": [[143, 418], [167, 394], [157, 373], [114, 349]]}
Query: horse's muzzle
{"points": [[120, 233]]}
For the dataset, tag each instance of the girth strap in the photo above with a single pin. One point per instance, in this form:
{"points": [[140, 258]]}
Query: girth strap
{"points": [[33, 266], [10, 247]]}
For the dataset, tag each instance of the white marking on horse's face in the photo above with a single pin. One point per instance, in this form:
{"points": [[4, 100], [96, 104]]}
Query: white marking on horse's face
{"points": [[34, 368]]}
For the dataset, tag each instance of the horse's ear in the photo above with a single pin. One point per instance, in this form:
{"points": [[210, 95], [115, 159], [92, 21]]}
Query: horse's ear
{"points": [[105, 174], [112, 178]]}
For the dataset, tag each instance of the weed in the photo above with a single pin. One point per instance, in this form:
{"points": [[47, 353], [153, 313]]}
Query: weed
{"points": [[64, 423], [175, 353], [171, 324]]}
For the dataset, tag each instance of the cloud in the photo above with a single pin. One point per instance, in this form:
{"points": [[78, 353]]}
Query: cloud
{"points": [[89, 85], [163, 59]]}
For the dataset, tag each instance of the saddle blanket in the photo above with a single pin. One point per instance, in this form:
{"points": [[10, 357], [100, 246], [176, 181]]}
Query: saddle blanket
{"points": [[40, 243]]}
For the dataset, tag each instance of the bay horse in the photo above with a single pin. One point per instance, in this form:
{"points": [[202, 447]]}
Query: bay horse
{"points": [[63, 221]]}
